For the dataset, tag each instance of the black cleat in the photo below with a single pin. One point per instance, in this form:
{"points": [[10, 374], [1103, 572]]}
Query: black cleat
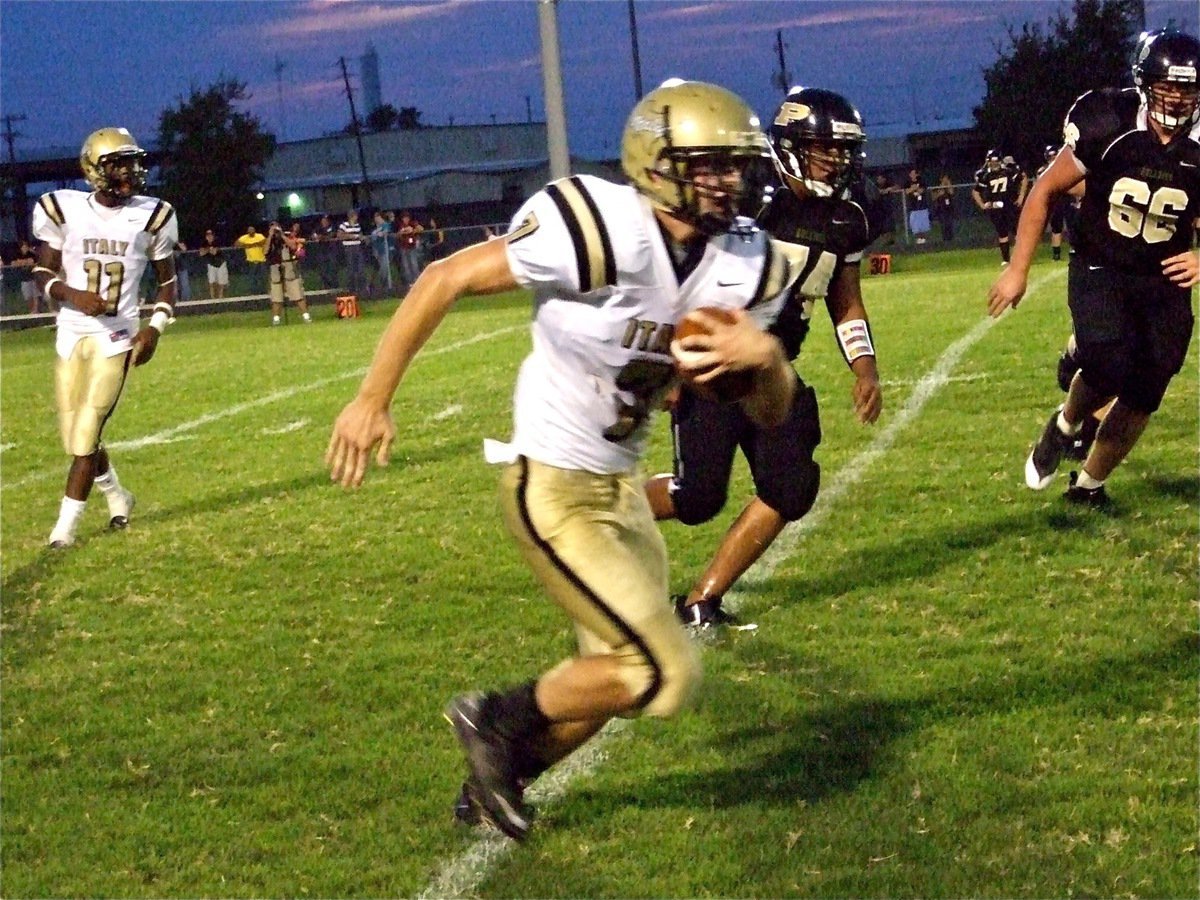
{"points": [[467, 809], [1097, 498], [702, 614], [491, 756], [1046, 454]]}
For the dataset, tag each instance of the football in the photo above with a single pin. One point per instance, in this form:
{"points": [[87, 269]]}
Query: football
{"points": [[727, 388]]}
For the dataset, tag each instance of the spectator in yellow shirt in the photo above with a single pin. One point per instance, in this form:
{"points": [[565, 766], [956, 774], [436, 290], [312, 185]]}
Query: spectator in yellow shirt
{"points": [[254, 244]]}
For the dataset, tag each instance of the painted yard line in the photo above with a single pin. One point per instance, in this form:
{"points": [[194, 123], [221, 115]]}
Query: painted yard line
{"points": [[168, 434], [462, 875], [908, 382]]}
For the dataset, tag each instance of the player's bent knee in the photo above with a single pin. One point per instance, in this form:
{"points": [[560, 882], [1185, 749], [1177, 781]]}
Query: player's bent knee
{"points": [[694, 507], [678, 678], [799, 494]]}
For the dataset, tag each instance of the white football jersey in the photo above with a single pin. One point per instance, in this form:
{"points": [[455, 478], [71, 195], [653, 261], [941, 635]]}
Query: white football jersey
{"points": [[104, 251], [607, 295]]}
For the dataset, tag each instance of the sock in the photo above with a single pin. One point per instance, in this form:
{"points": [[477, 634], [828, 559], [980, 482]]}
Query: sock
{"points": [[1004, 251], [1087, 482], [69, 513], [1066, 427], [516, 714], [114, 494]]}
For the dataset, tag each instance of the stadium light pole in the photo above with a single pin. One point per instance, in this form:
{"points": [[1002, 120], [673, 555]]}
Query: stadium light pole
{"points": [[637, 57], [556, 116]]}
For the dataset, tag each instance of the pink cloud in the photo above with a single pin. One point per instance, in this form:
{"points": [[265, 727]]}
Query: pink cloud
{"points": [[323, 17]]}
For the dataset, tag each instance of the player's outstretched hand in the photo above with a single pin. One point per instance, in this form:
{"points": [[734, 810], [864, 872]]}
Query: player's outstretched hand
{"points": [[145, 342], [358, 429], [1183, 268], [1006, 291], [868, 399]]}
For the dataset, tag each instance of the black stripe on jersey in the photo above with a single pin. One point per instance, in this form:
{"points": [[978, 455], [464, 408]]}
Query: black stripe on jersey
{"points": [[160, 217], [49, 205], [624, 627], [776, 275], [593, 248]]}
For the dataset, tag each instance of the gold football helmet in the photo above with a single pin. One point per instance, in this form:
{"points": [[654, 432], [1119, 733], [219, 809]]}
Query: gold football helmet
{"points": [[690, 147], [112, 162]]}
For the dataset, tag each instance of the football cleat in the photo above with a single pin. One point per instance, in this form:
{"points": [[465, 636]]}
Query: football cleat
{"points": [[467, 809], [1046, 454], [1097, 498], [491, 757], [60, 543], [119, 509], [702, 614]]}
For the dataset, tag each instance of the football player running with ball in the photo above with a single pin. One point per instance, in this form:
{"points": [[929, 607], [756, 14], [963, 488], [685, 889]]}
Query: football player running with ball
{"points": [[611, 269], [817, 137], [1129, 280], [93, 250]]}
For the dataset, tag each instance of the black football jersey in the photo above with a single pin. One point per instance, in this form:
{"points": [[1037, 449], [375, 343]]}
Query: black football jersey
{"points": [[1142, 195], [820, 235], [998, 185]]}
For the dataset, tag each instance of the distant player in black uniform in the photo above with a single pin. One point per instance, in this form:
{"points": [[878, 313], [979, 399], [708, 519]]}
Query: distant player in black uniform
{"points": [[1058, 209], [999, 190], [817, 137], [1134, 261]]}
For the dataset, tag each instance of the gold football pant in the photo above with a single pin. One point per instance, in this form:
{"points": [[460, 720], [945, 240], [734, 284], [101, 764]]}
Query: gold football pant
{"points": [[87, 387], [593, 543]]}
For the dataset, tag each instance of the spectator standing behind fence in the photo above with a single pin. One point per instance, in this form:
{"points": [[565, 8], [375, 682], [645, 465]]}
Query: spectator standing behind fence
{"points": [[213, 255], [918, 206], [350, 235], [435, 241], [255, 245], [943, 207], [408, 239], [24, 262], [284, 275], [324, 252], [381, 241], [184, 285], [883, 211]]}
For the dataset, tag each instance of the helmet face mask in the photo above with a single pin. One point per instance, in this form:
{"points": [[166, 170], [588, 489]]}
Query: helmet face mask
{"points": [[993, 161], [692, 149], [1165, 73], [818, 139], [113, 163]]}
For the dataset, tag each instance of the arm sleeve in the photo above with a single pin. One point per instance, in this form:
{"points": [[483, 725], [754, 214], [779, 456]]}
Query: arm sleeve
{"points": [[43, 227], [539, 247]]}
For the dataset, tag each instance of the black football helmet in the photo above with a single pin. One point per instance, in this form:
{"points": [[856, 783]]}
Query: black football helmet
{"points": [[818, 140], [993, 160], [1165, 69], [1050, 152]]}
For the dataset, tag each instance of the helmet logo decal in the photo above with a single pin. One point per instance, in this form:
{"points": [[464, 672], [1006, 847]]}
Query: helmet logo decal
{"points": [[792, 112]]}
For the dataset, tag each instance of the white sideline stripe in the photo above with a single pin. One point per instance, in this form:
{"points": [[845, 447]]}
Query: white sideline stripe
{"points": [[462, 875], [169, 434], [449, 412]]}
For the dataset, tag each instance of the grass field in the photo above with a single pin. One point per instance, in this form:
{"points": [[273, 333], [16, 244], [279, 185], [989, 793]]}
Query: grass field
{"points": [[958, 687]]}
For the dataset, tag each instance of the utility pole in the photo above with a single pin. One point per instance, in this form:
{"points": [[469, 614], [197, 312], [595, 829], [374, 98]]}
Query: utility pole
{"points": [[783, 78], [556, 112], [18, 200], [10, 135], [637, 58], [278, 68], [362, 159]]}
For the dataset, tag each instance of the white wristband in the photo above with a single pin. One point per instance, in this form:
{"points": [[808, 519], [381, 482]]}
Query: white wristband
{"points": [[49, 284], [159, 321], [854, 336]]}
